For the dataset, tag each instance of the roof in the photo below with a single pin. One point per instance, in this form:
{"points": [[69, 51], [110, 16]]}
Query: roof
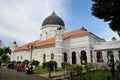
{"points": [[51, 41], [54, 20]]}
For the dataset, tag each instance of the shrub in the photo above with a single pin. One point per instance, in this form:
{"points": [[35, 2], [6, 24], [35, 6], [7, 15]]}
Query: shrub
{"points": [[18, 62], [75, 69], [87, 68], [51, 65], [90, 65], [26, 62], [95, 66], [44, 65], [64, 64], [5, 58], [78, 69], [35, 62]]}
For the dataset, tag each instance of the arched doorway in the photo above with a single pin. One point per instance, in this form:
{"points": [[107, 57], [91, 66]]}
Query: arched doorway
{"points": [[109, 53], [73, 57], [83, 57], [65, 57], [99, 56]]}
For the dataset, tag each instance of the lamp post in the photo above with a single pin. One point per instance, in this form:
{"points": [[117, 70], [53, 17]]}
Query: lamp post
{"points": [[31, 47]]}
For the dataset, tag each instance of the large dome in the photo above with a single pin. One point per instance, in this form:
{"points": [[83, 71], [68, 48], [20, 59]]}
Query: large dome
{"points": [[53, 19]]}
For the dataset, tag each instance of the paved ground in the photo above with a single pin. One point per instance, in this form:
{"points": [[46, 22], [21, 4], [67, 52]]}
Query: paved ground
{"points": [[8, 74]]}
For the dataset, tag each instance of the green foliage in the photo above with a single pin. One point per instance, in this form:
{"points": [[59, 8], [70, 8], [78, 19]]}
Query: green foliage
{"points": [[87, 68], [44, 65], [108, 10], [75, 69], [35, 62], [5, 57], [18, 62], [1, 51], [5, 51], [90, 65], [51, 65], [64, 64], [26, 62], [59, 69], [94, 75], [40, 70]]}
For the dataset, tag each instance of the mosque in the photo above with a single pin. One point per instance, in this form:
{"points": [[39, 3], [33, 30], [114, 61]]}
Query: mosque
{"points": [[75, 47]]}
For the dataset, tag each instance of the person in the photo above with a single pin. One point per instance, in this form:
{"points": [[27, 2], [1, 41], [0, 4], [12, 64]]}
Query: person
{"points": [[30, 69], [112, 65]]}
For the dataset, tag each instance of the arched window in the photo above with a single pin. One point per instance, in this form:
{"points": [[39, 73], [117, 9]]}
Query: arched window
{"points": [[73, 57], [83, 57], [52, 56], [99, 56], [65, 57], [109, 53]]}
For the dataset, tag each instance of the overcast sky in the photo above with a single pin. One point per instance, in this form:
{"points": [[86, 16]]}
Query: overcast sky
{"points": [[21, 20]]}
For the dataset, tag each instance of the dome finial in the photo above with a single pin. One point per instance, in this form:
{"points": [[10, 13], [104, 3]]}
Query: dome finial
{"points": [[53, 13]]}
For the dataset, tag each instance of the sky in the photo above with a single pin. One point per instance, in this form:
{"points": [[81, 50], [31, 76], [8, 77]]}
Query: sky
{"points": [[21, 20]]}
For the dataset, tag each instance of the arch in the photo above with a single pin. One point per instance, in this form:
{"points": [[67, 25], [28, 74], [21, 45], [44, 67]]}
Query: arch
{"points": [[99, 56], [73, 57], [65, 57], [83, 57], [109, 53], [52, 56]]}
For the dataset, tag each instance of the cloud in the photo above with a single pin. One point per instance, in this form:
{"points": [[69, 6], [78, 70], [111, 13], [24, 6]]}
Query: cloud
{"points": [[21, 20]]}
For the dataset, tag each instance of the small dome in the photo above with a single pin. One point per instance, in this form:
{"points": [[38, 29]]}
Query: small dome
{"points": [[53, 19]]}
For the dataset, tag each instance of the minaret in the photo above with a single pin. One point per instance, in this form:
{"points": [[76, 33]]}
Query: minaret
{"points": [[59, 45], [14, 46]]}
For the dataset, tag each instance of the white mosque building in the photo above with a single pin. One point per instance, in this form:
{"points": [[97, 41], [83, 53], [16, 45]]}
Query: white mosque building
{"points": [[75, 47]]}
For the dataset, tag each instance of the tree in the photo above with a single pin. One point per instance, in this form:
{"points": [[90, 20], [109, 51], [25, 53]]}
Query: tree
{"points": [[7, 50], [1, 51], [26, 62], [109, 11], [35, 62], [5, 58]]}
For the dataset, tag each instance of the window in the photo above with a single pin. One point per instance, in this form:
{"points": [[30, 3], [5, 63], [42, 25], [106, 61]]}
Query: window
{"points": [[83, 57], [52, 56], [21, 57], [99, 56], [17, 57], [44, 56], [109, 53], [73, 57], [65, 57]]}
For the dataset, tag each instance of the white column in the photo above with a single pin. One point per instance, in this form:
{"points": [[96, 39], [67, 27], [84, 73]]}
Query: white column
{"points": [[104, 53]]}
